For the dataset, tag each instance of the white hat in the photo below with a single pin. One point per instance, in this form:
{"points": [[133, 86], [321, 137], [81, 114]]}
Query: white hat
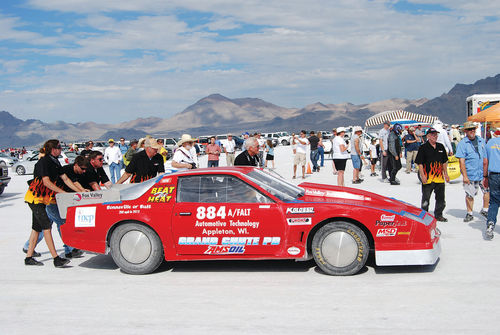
{"points": [[340, 129], [151, 143], [185, 138], [356, 128]]}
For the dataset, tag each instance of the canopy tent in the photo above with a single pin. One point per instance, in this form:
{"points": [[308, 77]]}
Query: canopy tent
{"points": [[491, 114], [398, 115]]}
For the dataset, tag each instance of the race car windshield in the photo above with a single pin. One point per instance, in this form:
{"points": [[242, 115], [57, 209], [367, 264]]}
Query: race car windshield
{"points": [[276, 186]]}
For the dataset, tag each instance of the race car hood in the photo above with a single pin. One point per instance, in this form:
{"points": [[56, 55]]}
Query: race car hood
{"points": [[353, 196]]}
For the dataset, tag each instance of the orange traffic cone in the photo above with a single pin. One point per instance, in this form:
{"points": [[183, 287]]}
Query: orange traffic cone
{"points": [[308, 168]]}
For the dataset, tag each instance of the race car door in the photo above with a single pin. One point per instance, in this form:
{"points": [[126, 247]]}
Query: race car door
{"points": [[223, 215]]}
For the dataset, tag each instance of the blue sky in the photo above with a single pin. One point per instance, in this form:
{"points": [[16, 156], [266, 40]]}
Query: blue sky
{"points": [[117, 60]]}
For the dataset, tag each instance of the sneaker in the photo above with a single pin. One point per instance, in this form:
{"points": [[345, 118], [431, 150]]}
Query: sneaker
{"points": [[408, 172], [468, 218], [395, 182], [32, 261], [489, 230], [35, 254], [359, 181], [484, 213], [441, 219], [75, 253], [59, 262]]}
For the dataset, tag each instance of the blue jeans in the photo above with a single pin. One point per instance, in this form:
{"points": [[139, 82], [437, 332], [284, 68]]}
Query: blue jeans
{"points": [[53, 214], [356, 162], [213, 164], [321, 152], [114, 169], [494, 183], [314, 159]]}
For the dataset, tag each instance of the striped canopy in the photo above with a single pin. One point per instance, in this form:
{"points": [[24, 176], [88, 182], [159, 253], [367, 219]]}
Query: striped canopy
{"points": [[380, 118]]}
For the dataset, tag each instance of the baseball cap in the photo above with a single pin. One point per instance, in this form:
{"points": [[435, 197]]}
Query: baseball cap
{"points": [[134, 141], [111, 140], [431, 130], [340, 129]]}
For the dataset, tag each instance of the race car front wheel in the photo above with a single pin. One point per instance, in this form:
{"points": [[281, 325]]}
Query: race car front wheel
{"points": [[340, 248], [136, 248]]}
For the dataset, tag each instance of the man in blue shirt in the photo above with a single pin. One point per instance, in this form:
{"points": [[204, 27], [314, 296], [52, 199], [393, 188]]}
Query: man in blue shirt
{"points": [[123, 149], [491, 164], [471, 152]]}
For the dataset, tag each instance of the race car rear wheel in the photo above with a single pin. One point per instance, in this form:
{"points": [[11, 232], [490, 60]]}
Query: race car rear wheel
{"points": [[136, 248], [340, 248]]}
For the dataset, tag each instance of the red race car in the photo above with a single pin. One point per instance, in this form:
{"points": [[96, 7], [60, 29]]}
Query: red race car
{"points": [[246, 213]]}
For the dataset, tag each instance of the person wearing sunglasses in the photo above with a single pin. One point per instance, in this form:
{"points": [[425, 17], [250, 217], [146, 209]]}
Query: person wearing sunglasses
{"points": [[95, 174], [48, 180]]}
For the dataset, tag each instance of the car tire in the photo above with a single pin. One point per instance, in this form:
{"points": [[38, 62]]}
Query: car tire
{"points": [[2, 163], [340, 248], [136, 248], [20, 170]]}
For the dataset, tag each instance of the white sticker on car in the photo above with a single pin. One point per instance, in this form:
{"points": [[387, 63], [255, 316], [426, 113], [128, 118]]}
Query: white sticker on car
{"points": [[299, 221], [85, 217]]}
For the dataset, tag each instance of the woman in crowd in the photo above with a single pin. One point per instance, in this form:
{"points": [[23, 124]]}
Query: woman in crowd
{"points": [[321, 149], [270, 152], [340, 155]]}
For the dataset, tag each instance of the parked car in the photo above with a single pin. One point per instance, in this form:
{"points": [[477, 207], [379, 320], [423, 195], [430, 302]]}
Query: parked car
{"points": [[4, 177], [281, 137], [247, 213], [7, 159], [27, 166]]}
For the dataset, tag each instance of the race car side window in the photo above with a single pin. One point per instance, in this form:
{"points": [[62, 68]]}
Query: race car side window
{"points": [[217, 189]]}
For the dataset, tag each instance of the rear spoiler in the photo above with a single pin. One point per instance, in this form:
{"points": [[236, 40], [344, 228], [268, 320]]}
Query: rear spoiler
{"points": [[65, 200]]}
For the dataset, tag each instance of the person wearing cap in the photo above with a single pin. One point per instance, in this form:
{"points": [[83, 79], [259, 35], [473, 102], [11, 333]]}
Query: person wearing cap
{"points": [[184, 158], [411, 148], [123, 149], [491, 167], [432, 162], [300, 154], [88, 149], [340, 155], [130, 152], [229, 147], [145, 164], [471, 151], [356, 154], [383, 136], [113, 157]]}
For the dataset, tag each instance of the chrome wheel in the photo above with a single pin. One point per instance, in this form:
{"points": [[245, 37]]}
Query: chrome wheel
{"points": [[135, 247], [339, 249], [20, 170]]}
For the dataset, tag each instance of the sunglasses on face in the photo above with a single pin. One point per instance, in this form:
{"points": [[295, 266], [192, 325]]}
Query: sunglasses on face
{"points": [[100, 159], [83, 168], [59, 147]]}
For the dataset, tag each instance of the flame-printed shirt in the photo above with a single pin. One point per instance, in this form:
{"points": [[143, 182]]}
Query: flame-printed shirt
{"points": [[433, 160], [143, 168], [38, 193], [93, 175]]}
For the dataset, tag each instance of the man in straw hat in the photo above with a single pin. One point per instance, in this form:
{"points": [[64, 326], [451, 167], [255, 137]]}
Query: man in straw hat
{"points": [[471, 151], [183, 157], [145, 164]]}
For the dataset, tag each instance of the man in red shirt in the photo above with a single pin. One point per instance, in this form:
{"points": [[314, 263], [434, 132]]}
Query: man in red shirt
{"points": [[213, 151]]}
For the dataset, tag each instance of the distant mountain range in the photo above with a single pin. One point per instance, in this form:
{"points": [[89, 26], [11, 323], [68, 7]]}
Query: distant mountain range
{"points": [[216, 114]]}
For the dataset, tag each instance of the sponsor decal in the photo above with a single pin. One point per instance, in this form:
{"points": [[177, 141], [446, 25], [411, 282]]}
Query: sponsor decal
{"points": [[128, 209], [385, 218], [85, 217], [385, 232], [77, 197], [228, 240], [161, 194], [264, 206], [336, 194], [212, 212], [224, 250], [166, 180], [87, 196], [300, 210], [404, 233], [299, 221], [293, 251]]}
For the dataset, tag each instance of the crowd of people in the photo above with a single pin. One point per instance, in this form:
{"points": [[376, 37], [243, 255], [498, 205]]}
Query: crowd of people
{"points": [[425, 153]]}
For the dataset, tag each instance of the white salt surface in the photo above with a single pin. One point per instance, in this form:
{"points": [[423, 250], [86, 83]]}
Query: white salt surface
{"points": [[458, 295]]}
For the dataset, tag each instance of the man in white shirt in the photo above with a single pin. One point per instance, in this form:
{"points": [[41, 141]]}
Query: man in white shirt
{"points": [[300, 154], [184, 158], [113, 156], [443, 137], [383, 136], [229, 148]]}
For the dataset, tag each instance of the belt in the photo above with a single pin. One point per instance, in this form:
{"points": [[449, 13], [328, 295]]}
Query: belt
{"points": [[491, 172], [232, 152]]}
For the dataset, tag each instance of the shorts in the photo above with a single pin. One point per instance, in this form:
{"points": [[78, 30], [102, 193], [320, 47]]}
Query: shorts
{"points": [[472, 188], [373, 161], [269, 157], [299, 159], [40, 219], [356, 161], [339, 164]]}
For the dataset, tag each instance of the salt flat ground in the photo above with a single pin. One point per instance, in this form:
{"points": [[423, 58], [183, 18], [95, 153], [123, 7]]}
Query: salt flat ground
{"points": [[459, 295]]}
